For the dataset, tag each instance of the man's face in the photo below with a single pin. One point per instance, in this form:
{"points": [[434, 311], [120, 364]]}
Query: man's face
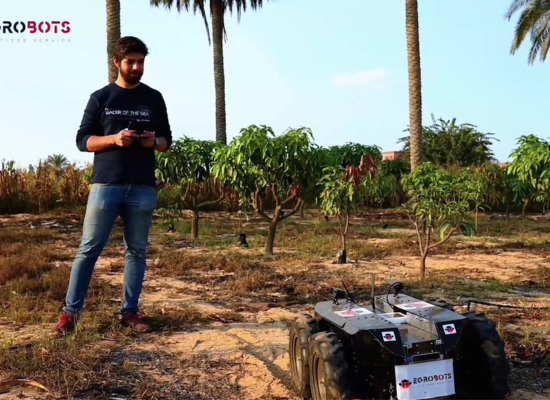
{"points": [[131, 67]]}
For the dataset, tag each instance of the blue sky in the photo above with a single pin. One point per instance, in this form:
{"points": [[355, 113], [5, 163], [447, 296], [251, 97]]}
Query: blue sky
{"points": [[342, 71]]}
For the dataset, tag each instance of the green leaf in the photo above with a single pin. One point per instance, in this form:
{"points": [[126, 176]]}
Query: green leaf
{"points": [[443, 230], [468, 229]]}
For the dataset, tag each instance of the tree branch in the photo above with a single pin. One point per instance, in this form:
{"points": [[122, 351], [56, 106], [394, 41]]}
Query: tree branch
{"points": [[265, 217], [183, 198], [258, 206], [444, 240], [275, 194], [427, 247], [186, 193], [256, 199], [347, 224], [347, 220], [289, 199], [205, 204], [294, 210], [415, 223]]}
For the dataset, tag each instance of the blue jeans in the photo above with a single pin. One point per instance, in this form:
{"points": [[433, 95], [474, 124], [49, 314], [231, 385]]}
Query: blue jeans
{"points": [[135, 204]]}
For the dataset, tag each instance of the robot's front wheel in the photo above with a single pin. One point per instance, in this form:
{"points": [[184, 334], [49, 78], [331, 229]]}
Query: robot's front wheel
{"points": [[301, 331], [483, 369], [328, 368]]}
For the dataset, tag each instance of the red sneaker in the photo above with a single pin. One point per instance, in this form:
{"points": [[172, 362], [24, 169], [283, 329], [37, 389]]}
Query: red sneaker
{"points": [[65, 324], [133, 321]]}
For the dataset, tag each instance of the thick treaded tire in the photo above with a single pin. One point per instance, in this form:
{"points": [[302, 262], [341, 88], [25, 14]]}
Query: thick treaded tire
{"points": [[301, 330], [485, 365], [328, 368]]}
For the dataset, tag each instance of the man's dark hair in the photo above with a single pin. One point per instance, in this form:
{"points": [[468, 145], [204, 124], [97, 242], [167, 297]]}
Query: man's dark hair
{"points": [[129, 44]]}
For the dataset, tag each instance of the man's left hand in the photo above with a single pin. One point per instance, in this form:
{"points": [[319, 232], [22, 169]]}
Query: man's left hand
{"points": [[147, 139]]}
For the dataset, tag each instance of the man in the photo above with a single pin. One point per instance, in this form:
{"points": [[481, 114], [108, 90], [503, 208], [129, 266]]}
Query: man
{"points": [[123, 180]]}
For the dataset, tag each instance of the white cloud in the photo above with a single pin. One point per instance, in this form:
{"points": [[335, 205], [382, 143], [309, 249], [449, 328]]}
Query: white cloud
{"points": [[374, 78]]}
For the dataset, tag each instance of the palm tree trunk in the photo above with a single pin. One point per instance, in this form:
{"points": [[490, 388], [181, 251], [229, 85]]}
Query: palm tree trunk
{"points": [[415, 83], [113, 34], [219, 75]]}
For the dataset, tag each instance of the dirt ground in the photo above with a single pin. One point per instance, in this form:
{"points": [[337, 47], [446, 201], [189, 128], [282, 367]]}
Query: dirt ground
{"points": [[221, 312]]}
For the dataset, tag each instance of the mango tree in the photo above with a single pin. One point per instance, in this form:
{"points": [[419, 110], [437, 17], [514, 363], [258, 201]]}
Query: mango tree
{"points": [[312, 188], [479, 185], [321, 157], [522, 192], [438, 201], [263, 167], [348, 154], [343, 191], [504, 189], [531, 165], [188, 164], [386, 187], [496, 192], [382, 189], [351, 154]]}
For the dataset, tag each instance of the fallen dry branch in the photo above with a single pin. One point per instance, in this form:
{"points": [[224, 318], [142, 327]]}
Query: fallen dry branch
{"points": [[18, 382]]}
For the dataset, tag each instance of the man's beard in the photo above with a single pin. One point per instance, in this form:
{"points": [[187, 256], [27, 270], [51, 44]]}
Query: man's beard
{"points": [[130, 77]]}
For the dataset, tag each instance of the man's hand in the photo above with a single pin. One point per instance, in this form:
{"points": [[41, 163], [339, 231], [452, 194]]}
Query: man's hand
{"points": [[163, 145], [147, 139], [124, 138]]}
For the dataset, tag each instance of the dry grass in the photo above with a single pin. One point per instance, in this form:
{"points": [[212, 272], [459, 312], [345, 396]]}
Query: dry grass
{"points": [[233, 277], [32, 291], [32, 285], [86, 364], [25, 191], [104, 359], [184, 317]]}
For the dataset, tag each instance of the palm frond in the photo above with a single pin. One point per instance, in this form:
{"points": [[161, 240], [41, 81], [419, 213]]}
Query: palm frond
{"points": [[184, 4], [534, 19], [200, 6], [545, 39], [180, 4], [526, 21], [539, 33], [514, 7], [241, 5]]}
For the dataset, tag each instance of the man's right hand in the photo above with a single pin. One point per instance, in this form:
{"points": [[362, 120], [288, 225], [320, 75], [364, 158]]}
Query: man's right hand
{"points": [[124, 138]]}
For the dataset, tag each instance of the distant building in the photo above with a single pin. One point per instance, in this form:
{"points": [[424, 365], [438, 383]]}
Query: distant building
{"points": [[503, 164], [392, 155]]}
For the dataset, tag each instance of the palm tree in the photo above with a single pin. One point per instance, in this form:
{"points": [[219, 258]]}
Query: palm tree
{"points": [[58, 162], [113, 34], [415, 82], [534, 19], [217, 12]]}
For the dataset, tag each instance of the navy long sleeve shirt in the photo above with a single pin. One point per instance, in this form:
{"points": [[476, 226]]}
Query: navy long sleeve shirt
{"points": [[110, 110]]}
